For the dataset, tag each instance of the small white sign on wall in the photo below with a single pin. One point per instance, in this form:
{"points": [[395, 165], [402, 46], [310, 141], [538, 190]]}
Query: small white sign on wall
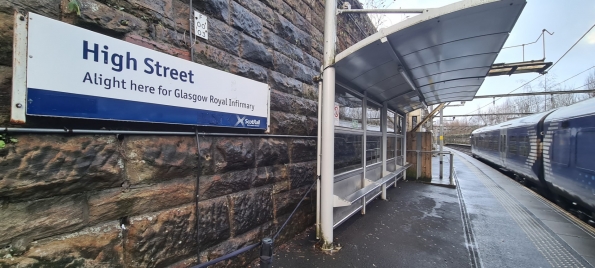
{"points": [[336, 114], [201, 28]]}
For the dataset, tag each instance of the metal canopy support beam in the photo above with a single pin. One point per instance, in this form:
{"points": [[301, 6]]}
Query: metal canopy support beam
{"points": [[462, 115], [328, 129], [535, 93], [428, 117], [386, 11]]}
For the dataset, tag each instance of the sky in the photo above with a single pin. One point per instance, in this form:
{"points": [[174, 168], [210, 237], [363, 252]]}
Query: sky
{"points": [[567, 19]]}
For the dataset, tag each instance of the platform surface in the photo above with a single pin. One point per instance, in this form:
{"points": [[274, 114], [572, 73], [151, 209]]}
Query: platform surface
{"points": [[489, 220]]}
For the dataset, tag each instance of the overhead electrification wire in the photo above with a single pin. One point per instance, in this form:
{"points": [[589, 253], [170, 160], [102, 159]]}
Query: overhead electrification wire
{"points": [[532, 81], [571, 47], [548, 69]]}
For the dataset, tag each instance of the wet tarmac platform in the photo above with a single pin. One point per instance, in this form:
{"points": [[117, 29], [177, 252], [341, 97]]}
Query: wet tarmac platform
{"points": [[488, 220]]}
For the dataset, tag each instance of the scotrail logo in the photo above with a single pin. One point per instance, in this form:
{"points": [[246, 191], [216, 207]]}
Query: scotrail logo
{"points": [[247, 122]]}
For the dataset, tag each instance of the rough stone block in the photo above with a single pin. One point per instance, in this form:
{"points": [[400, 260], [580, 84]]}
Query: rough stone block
{"points": [[286, 11], [288, 103], [5, 93], [272, 152], [246, 21], [6, 38], [97, 246], [221, 184], [250, 209], [214, 225], [302, 174], [281, 82], [304, 73], [233, 154], [151, 159], [281, 45], [48, 8], [300, 6], [292, 34], [285, 202], [264, 176], [285, 123], [111, 21], [218, 9], [260, 9], [274, 4], [310, 92], [39, 166], [283, 64], [223, 36], [256, 52], [161, 239], [251, 237], [312, 62], [213, 57], [303, 150], [302, 23], [249, 70], [304, 217], [157, 46], [115, 204], [41, 218]]}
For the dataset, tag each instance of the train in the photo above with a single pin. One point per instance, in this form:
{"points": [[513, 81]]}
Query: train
{"points": [[553, 152]]}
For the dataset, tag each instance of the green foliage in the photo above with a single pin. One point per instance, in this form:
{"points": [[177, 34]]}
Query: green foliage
{"points": [[73, 6], [4, 139]]}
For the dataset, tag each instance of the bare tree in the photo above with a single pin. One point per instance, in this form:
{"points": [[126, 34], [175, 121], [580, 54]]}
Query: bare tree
{"points": [[590, 81], [379, 20]]}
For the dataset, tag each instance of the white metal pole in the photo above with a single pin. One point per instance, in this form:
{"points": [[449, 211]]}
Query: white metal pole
{"points": [[364, 146], [318, 161], [383, 127], [404, 144], [328, 129], [441, 142]]}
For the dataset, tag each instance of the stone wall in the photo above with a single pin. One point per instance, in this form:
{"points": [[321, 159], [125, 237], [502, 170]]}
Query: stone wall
{"points": [[130, 201]]}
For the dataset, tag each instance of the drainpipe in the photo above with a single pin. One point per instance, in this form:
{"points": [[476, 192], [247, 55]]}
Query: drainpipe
{"points": [[328, 129]]}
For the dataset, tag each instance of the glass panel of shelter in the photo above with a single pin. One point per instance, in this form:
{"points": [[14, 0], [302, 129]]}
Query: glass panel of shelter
{"points": [[349, 133]]}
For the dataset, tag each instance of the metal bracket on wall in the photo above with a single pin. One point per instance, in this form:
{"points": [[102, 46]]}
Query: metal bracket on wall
{"points": [[18, 106]]}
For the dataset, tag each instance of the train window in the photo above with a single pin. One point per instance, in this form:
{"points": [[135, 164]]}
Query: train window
{"points": [[512, 145], [524, 146], [585, 146], [561, 147]]}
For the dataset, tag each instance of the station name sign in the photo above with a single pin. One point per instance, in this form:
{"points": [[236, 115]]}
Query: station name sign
{"points": [[76, 73]]}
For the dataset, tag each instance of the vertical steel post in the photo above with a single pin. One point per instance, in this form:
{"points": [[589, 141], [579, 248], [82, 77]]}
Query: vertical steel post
{"points": [[451, 177], [266, 253], [383, 144], [364, 146], [404, 144], [441, 142], [328, 129]]}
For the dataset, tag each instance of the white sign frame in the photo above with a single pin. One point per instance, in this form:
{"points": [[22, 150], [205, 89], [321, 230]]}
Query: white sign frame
{"points": [[65, 61]]}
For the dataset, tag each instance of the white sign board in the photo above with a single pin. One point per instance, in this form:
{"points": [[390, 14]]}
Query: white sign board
{"points": [[73, 72], [201, 27]]}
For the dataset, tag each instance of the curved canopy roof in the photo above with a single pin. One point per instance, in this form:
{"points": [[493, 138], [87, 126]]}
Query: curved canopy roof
{"points": [[445, 52]]}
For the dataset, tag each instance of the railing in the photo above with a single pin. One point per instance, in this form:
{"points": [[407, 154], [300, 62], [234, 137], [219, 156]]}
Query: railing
{"points": [[418, 164]]}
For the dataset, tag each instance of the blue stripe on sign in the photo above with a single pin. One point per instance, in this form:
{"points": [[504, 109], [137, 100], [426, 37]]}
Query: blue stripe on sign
{"points": [[51, 103]]}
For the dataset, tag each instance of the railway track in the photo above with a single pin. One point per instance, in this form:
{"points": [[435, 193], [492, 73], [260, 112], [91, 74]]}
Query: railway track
{"points": [[464, 148]]}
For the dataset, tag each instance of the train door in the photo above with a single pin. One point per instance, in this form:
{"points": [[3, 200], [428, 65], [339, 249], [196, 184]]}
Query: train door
{"points": [[503, 147]]}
